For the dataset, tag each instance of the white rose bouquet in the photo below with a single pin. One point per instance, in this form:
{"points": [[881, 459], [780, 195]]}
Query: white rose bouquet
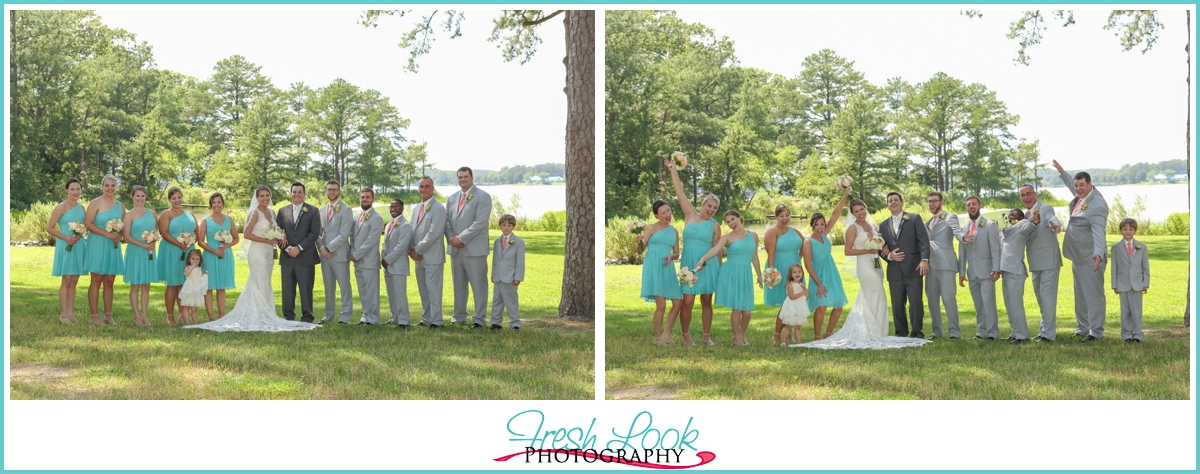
{"points": [[114, 225], [77, 228]]}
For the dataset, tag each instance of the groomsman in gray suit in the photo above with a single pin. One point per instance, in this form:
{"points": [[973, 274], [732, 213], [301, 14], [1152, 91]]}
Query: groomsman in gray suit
{"points": [[943, 265], [429, 228], [467, 213], [979, 261], [365, 255], [337, 222], [1012, 266], [397, 240], [1084, 246], [1045, 260]]}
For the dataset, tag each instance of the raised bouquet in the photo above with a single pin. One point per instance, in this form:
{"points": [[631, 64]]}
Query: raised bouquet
{"points": [[686, 277], [186, 239], [79, 229], [771, 277], [114, 225], [680, 160], [274, 233], [151, 236], [843, 182], [224, 237], [635, 227]]}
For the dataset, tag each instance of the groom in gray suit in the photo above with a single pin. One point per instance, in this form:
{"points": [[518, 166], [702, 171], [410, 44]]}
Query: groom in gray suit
{"points": [[337, 221], [364, 243], [943, 266], [467, 213], [298, 262], [1045, 260], [429, 228], [979, 261], [1084, 246]]}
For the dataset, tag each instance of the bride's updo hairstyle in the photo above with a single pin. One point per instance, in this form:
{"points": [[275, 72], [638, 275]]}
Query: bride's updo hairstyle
{"points": [[856, 202], [261, 189]]}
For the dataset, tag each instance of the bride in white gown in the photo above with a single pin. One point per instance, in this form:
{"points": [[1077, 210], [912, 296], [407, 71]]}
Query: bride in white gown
{"points": [[255, 308], [867, 325]]}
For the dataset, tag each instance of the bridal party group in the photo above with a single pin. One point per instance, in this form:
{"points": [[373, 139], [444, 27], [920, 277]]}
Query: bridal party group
{"points": [[801, 279], [195, 257]]}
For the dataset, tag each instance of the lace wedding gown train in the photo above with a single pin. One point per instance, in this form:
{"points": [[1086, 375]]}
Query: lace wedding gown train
{"points": [[866, 326], [255, 308]]}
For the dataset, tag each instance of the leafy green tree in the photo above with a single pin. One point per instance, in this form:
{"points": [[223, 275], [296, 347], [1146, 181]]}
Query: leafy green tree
{"points": [[935, 113]]}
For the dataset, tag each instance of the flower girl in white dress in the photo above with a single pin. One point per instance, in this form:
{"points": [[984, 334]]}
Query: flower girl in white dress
{"points": [[195, 285], [794, 311]]}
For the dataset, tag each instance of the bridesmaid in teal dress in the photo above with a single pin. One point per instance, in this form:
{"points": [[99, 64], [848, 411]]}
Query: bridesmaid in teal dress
{"points": [[700, 232], [70, 250], [171, 223], [660, 282], [104, 260], [824, 283], [735, 289], [218, 257], [783, 250], [140, 268]]}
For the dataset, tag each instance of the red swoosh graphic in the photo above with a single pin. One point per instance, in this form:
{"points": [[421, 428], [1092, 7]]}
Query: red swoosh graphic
{"points": [[705, 458]]}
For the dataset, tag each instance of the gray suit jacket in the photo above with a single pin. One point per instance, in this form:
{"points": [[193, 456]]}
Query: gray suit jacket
{"points": [[1085, 230], [1042, 249], [396, 245], [1012, 252], [941, 241], [508, 264], [429, 232], [981, 257], [1130, 273], [335, 232], [365, 239], [471, 223]]}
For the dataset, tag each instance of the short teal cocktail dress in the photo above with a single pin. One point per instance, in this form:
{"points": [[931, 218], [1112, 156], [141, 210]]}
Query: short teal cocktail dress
{"points": [[735, 283], [827, 272], [658, 280], [103, 257], [787, 253], [73, 262], [170, 263], [697, 241], [220, 270], [139, 268]]}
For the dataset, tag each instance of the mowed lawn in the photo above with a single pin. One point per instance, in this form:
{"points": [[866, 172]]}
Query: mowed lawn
{"points": [[549, 358], [945, 369]]}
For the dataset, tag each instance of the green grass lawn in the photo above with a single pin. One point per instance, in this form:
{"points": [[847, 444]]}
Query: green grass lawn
{"points": [[548, 359], [945, 369]]}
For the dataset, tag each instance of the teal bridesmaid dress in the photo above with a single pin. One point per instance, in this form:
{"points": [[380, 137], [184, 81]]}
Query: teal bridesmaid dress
{"points": [[220, 270], [735, 283], [73, 262], [139, 268], [697, 241], [170, 263], [787, 253], [658, 280], [103, 257], [826, 270]]}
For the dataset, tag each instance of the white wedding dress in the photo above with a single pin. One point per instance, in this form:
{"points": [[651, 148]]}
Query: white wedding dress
{"points": [[866, 326], [255, 308]]}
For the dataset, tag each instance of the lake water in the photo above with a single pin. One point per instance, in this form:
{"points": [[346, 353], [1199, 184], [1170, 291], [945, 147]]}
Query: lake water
{"points": [[1162, 200], [535, 199]]}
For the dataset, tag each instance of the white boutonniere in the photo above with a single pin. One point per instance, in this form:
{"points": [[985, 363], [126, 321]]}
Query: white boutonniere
{"points": [[942, 215], [1137, 247], [982, 221], [303, 209], [905, 217]]}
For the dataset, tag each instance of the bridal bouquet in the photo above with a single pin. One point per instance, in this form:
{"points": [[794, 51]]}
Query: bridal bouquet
{"points": [[79, 229], [686, 277], [274, 233], [875, 242], [635, 227], [187, 239], [224, 237], [151, 236], [114, 225], [771, 277], [679, 159], [842, 182]]}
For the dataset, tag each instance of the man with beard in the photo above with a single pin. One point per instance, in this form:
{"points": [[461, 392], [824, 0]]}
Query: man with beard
{"points": [[979, 262], [337, 223]]}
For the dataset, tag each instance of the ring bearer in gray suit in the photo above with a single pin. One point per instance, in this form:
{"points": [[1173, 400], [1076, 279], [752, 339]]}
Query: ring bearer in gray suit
{"points": [[298, 262], [365, 255], [1045, 260], [508, 271], [337, 221], [1012, 267], [1085, 247], [1130, 279], [467, 213], [943, 266], [428, 254], [979, 261], [397, 240]]}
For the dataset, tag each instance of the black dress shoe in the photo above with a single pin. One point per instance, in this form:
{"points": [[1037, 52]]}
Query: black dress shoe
{"points": [[401, 326], [476, 326], [496, 326], [930, 338], [1128, 341], [952, 337], [1090, 338], [978, 337], [917, 335], [1010, 339], [360, 323], [516, 328], [1019, 341], [341, 322], [1137, 341], [1042, 339], [435, 326], [1079, 335], [990, 338]]}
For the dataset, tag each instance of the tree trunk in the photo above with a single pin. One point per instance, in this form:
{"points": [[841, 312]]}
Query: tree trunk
{"points": [[579, 266]]}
